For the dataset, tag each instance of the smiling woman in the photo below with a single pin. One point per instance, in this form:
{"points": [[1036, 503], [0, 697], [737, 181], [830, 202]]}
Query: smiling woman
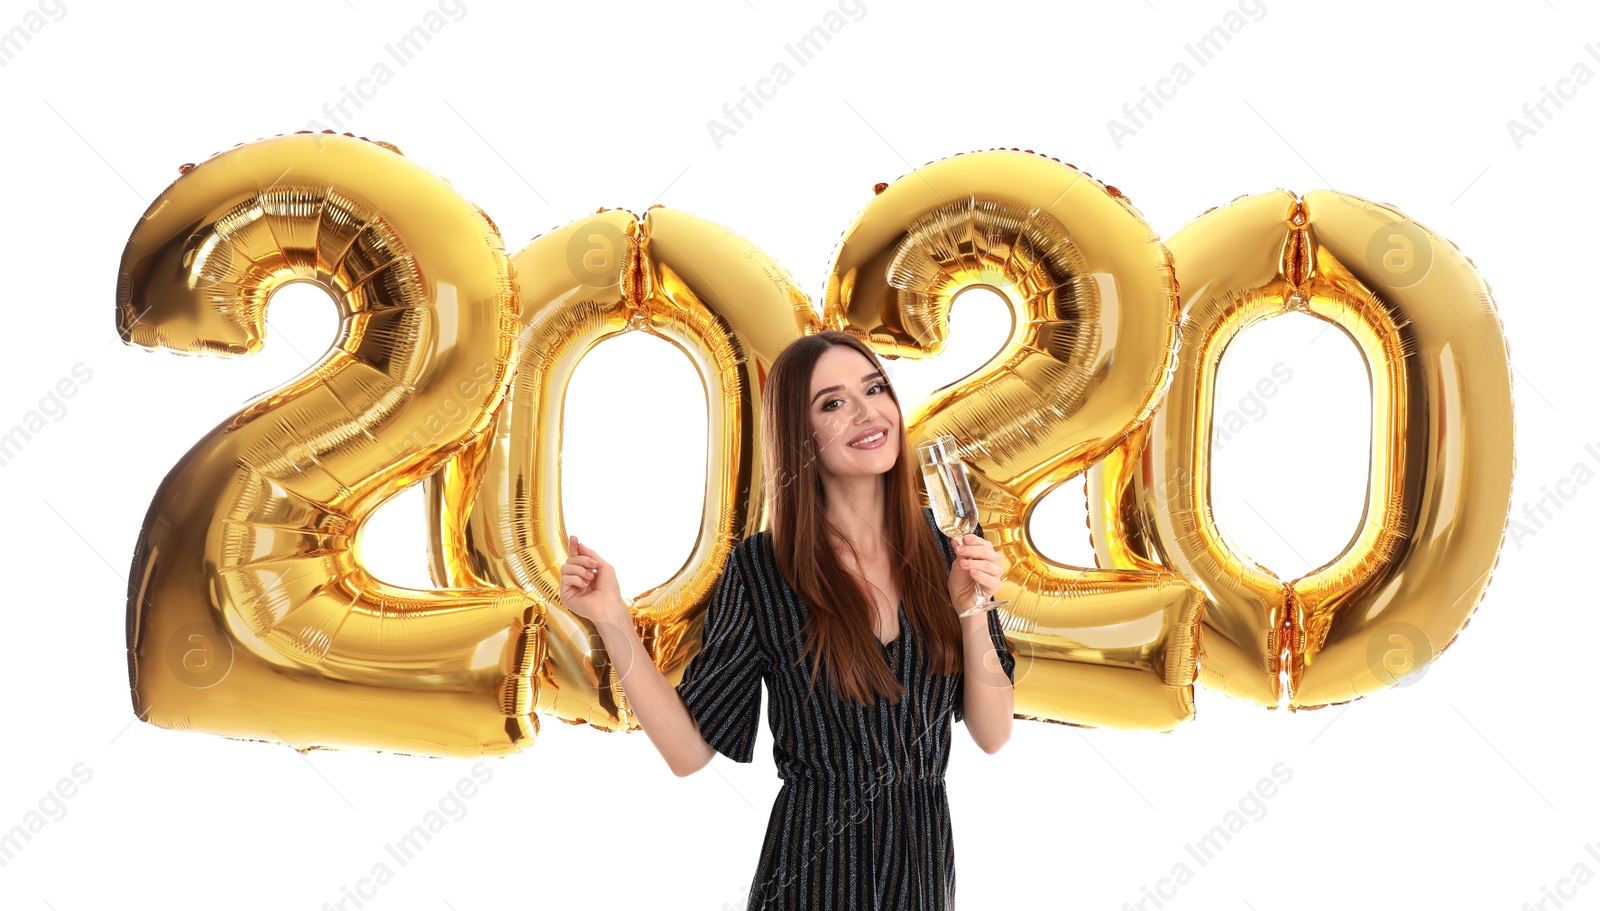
{"points": [[845, 610]]}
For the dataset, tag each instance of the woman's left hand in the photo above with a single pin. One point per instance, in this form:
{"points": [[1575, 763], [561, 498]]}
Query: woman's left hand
{"points": [[977, 564]]}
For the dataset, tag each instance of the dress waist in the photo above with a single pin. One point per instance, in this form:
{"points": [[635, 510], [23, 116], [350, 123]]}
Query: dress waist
{"points": [[867, 780]]}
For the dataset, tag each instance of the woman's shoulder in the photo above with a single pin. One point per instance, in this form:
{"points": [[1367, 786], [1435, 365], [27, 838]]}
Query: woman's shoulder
{"points": [[753, 560], [753, 548], [756, 560]]}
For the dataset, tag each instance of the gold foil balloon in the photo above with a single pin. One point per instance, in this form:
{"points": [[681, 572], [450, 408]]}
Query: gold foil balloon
{"points": [[1439, 478], [1094, 313], [497, 507], [249, 614]]}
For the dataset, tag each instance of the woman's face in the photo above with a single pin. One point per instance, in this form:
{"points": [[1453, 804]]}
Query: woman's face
{"points": [[850, 403]]}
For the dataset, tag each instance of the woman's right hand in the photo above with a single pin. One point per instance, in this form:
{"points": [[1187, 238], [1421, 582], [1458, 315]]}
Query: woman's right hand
{"points": [[589, 586]]}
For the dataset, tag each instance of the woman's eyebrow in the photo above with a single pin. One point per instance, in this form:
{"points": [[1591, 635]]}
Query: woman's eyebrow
{"points": [[836, 387]]}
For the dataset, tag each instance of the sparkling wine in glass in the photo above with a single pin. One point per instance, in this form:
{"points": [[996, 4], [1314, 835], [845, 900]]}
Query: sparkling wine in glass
{"points": [[950, 496]]}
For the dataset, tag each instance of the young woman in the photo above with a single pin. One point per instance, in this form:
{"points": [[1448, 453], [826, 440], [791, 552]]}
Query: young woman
{"points": [[848, 609]]}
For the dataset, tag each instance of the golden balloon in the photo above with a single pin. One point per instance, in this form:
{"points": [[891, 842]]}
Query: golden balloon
{"points": [[1439, 477], [249, 615], [496, 508]]}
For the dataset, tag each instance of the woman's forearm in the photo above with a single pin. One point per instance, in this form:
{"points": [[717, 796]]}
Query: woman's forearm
{"points": [[988, 701], [653, 700]]}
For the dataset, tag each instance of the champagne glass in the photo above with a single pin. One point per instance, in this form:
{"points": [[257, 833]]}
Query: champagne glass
{"points": [[950, 495]]}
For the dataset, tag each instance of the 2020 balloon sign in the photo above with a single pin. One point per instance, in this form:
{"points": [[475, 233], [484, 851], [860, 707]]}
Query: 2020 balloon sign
{"points": [[250, 616]]}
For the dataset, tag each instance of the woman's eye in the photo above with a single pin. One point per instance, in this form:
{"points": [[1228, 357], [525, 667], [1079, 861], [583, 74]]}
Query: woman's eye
{"points": [[828, 405]]}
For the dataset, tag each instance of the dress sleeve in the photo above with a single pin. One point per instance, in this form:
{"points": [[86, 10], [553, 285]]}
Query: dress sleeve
{"points": [[997, 635], [722, 684]]}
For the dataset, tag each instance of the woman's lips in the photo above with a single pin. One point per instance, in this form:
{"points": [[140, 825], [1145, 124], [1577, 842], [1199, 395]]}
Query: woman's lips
{"points": [[873, 439]]}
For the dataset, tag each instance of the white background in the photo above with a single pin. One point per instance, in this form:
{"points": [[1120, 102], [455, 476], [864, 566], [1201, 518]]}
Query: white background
{"points": [[1471, 788]]}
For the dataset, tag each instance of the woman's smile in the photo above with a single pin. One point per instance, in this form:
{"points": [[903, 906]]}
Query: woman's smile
{"points": [[870, 439]]}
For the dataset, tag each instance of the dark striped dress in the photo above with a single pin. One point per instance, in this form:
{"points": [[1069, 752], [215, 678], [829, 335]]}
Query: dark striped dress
{"points": [[862, 820]]}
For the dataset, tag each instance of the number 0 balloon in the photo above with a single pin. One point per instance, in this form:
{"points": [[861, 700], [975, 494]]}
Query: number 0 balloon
{"points": [[1439, 476], [497, 508]]}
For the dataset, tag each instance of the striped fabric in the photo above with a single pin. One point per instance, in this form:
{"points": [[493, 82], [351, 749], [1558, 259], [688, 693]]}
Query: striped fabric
{"points": [[862, 820]]}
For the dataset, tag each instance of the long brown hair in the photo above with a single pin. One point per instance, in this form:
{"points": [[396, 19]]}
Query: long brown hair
{"points": [[840, 629]]}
